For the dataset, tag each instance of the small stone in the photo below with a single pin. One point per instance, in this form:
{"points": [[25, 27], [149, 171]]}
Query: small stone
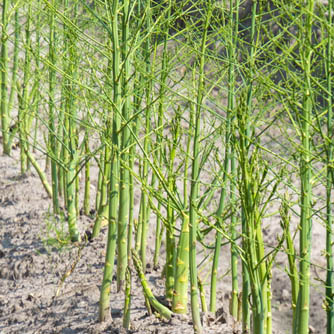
{"points": [[208, 318], [311, 329], [88, 236], [148, 268], [4, 273], [30, 297], [20, 317], [176, 318], [223, 317], [285, 295], [2, 254]]}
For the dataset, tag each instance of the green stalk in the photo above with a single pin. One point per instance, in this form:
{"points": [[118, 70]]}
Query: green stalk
{"points": [[235, 302], [137, 101], [330, 181], [195, 172], [64, 154], [251, 188], [15, 58], [290, 251], [72, 177], [14, 73], [233, 182], [245, 290], [305, 178], [127, 302], [193, 229], [161, 309], [99, 182], [181, 282], [77, 185], [131, 208], [269, 302], [248, 189], [71, 195], [148, 91], [139, 226], [170, 238], [132, 224], [102, 196], [124, 200], [103, 209], [158, 239], [52, 117], [161, 110], [202, 295], [104, 305], [180, 296], [238, 300], [63, 127], [214, 269], [86, 204], [246, 279], [24, 98], [36, 52], [5, 117], [26, 95], [246, 275], [40, 173]]}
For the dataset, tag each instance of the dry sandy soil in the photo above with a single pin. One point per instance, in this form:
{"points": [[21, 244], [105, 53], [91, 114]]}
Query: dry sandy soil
{"points": [[35, 297], [46, 288]]}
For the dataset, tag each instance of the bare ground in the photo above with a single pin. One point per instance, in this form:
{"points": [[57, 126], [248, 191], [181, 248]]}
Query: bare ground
{"points": [[49, 288]]}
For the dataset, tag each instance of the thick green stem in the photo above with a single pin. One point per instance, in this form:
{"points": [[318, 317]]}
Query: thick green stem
{"points": [[290, 250], [170, 238], [99, 181], [144, 219], [72, 179], [5, 118], [214, 270], [330, 181], [71, 193], [161, 309], [24, 107], [234, 310], [180, 296], [104, 305], [127, 301], [181, 281], [305, 178], [37, 74], [250, 187], [40, 173], [13, 89], [195, 173], [124, 200], [103, 210], [234, 8], [52, 116], [86, 205]]}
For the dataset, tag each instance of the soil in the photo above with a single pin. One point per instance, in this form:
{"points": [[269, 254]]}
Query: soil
{"points": [[47, 287], [50, 287]]}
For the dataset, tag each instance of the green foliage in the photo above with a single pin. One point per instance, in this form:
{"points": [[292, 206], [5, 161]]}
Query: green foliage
{"points": [[55, 234]]}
